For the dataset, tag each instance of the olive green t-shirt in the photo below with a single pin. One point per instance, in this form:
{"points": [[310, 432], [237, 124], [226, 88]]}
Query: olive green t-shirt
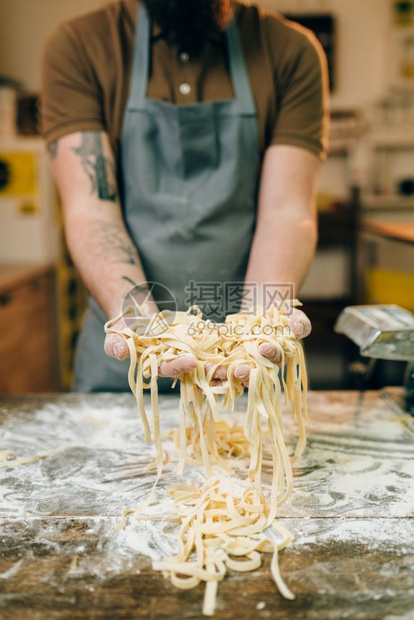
{"points": [[87, 74]]}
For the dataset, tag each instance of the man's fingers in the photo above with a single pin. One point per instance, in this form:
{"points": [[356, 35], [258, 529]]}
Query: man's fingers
{"points": [[177, 367], [220, 374], [272, 352], [300, 324], [116, 346], [242, 372]]}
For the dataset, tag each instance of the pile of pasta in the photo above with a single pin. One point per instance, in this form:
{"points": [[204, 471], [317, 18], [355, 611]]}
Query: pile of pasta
{"points": [[218, 528]]}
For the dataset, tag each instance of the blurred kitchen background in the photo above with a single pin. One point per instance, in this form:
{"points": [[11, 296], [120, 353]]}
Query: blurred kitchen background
{"points": [[365, 201]]}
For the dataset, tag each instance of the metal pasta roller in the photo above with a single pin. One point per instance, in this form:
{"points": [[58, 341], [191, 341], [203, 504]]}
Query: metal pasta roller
{"points": [[382, 332]]}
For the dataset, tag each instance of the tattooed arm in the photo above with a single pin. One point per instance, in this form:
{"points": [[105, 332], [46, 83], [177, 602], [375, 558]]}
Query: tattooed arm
{"points": [[99, 243]]}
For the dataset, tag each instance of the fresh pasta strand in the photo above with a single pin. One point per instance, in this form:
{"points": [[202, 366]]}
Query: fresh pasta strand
{"points": [[220, 529]]}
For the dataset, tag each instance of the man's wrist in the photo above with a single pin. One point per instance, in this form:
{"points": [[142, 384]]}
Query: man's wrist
{"points": [[139, 299], [266, 295]]}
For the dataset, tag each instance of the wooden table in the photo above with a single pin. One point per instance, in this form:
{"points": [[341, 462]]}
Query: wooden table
{"points": [[61, 557]]}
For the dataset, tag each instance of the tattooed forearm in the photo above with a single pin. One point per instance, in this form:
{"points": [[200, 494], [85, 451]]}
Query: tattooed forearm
{"points": [[129, 281], [137, 288], [99, 168], [113, 244], [52, 147]]}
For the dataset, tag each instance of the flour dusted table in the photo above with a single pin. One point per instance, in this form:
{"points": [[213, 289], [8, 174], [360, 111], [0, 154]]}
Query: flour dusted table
{"points": [[61, 557]]}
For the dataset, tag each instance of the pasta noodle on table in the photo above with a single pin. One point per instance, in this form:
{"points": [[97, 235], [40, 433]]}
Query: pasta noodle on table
{"points": [[219, 530]]}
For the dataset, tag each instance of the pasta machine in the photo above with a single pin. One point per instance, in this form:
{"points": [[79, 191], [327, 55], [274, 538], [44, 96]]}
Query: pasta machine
{"points": [[382, 332]]}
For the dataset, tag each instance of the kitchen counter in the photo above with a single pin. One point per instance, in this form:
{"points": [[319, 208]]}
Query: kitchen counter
{"points": [[61, 556], [400, 231], [15, 275], [28, 344], [386, 263]]}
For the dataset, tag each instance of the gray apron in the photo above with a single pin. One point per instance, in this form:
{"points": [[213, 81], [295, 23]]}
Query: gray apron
{"points": [[189, 195]]}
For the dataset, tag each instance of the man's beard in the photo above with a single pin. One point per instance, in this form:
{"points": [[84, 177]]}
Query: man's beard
{"points": [[186, 23]]}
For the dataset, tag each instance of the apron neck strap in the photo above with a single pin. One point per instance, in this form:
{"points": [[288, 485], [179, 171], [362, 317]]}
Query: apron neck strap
{"points": [[141, 64], [238, 71]]}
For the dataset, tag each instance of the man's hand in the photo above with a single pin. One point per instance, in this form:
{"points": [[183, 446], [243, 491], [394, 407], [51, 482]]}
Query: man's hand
{"points": [[300, 324], [116, 346], [300, 327]]}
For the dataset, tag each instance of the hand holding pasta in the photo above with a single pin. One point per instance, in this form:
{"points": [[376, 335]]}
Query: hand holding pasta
{"points": [[116, 346], [298, 323], [299, 326]]}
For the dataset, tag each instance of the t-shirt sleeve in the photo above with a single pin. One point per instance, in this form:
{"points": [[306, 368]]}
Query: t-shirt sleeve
{"points": [[70, 97], [302, 115]]}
